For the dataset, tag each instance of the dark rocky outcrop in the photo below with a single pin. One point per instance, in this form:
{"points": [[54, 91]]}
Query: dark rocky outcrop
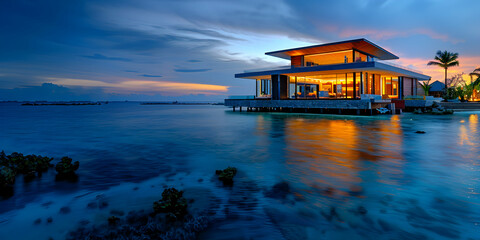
{"points": [[172, 203], [226, 175], [66, 169]]}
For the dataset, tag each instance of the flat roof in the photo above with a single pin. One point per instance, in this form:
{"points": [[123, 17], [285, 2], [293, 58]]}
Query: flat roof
{"points": [[374, 67], [362, 45]]}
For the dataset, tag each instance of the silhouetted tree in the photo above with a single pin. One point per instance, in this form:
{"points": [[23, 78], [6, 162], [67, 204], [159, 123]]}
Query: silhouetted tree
{"points": [[445, 60]]}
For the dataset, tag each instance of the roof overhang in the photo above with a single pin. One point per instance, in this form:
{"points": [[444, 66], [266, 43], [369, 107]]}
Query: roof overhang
{"points": [[361, 45], [373, 67]]}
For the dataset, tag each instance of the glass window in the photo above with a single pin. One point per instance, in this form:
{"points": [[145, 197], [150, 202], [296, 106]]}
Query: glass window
{"points": [[378, 84], [300, 87], [328, 58], [394, 88], [343, 85], [390, 87], [326, 86], [264, 88], [369, 84], [350, 88], [359, 57], [291, 88], [358, 84], [340, 86]]}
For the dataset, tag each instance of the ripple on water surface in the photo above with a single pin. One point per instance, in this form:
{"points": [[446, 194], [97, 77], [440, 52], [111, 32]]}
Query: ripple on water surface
{"points": [[300, 176]]}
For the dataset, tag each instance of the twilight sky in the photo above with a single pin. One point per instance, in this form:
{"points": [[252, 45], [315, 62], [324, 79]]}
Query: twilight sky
{"points": [[191, 49]]}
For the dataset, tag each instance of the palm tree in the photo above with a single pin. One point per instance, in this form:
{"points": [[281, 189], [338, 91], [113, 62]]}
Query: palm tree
{"points": [[475, 84], [476, 73], [445, 60], [426, 86]]}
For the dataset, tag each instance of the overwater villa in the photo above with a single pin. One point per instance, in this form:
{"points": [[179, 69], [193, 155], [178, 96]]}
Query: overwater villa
{"points": [[342, 77]]}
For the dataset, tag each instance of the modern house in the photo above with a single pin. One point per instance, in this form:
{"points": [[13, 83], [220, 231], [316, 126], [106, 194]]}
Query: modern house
{"points": [[350, 74]]}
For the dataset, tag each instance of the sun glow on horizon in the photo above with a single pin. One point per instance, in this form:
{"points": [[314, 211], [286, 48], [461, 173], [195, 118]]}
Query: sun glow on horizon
{"points": [[144, 86]]}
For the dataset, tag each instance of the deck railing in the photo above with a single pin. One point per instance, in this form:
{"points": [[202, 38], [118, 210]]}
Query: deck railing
{"points": [[289, 66], [400, 66]]}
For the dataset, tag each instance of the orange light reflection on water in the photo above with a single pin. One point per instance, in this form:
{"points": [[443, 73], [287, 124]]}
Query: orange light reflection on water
{"points": [[336, 151]]}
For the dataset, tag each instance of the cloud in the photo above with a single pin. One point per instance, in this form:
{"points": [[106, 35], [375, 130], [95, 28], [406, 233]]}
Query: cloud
{"points": [[144, 86], [150, 76], [208, 33], [384, 34], [98, 56], [192, 70], [225, 36]]}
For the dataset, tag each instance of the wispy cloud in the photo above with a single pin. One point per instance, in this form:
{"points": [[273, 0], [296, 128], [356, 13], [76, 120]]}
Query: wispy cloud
{"points": [[208, 33], [384, 34], [150, 76], [192, 70], [98, 56]]}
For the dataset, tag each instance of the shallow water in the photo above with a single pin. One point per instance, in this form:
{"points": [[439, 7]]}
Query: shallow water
{"points": [[336, 177]]}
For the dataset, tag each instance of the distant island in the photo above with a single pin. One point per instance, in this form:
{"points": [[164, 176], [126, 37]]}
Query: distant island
{"points": [[69, 103], [180, 103]]}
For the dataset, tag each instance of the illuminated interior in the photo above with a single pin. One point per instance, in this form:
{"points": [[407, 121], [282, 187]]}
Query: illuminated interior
{"points": [[264, 88], [390, 87], [325, 86], [338, 57], [335, 86]]}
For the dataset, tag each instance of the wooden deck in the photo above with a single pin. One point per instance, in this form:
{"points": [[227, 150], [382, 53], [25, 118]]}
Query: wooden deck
{"points": [[337, 106]]}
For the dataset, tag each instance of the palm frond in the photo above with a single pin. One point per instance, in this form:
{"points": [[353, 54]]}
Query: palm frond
{"points": [[453, 64], [476, 83], [475, 74], [435, 63]]}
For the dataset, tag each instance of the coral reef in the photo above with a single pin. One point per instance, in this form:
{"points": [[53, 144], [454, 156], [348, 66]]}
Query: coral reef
{"points": [[29, 165], [173, 203], [16, 163], [7, 177], [139, 225], [169, 220]]}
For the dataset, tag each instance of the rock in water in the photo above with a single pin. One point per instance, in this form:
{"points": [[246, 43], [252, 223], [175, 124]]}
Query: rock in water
{"points": [[66, 169], [226, 175], [173, 203]]}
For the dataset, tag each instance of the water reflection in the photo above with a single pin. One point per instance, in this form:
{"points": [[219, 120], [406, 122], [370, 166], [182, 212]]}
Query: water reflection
{"points": [[338, 176], [347, 163]]}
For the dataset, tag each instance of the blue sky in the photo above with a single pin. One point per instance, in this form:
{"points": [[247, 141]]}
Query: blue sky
{"points": [[190, 50]]}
